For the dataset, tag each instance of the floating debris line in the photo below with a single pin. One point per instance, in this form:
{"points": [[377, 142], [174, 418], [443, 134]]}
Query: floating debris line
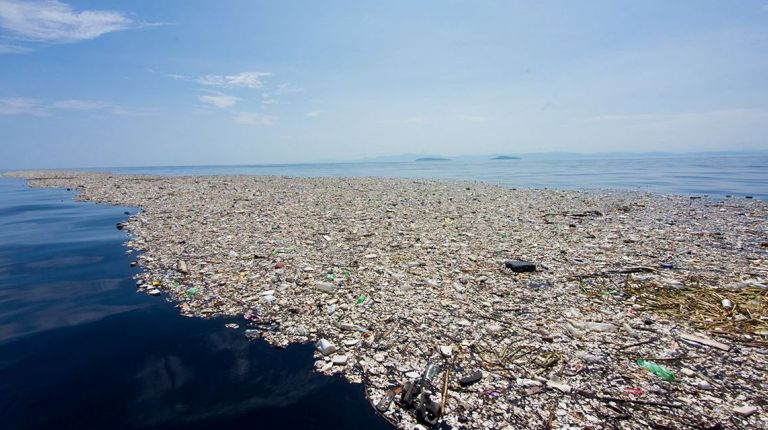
{"points": [[473, 305]]}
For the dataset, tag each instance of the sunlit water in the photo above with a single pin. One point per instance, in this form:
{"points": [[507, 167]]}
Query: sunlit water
{"points": [[717, 177]]}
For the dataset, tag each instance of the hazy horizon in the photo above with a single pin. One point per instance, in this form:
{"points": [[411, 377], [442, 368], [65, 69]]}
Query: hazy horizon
{"points": [[414, 157], [148, 83]]}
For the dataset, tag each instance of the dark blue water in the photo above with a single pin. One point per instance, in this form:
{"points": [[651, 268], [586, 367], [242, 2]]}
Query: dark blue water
{"points": [[80, 349], [716, 176]]}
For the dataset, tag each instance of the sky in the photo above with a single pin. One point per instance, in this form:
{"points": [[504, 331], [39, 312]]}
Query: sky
{"points": [[145, 82]]}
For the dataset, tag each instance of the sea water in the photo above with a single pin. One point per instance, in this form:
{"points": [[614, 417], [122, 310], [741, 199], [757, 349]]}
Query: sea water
{"points": [[80, 349], [715, 176]]}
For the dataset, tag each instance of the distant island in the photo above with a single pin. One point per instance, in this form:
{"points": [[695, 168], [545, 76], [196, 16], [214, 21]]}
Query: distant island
{"points": [[432, 159], [505, 157]]}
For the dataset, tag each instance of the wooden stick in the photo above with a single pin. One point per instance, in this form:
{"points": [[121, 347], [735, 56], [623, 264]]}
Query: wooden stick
{"points": [[632, 345], [620, 400], [445, 388]]}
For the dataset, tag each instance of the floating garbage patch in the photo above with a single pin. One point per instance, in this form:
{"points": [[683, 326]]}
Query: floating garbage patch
{"points": [[466, 305]]}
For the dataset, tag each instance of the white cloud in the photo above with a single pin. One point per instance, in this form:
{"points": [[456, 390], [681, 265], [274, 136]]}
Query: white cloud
{"points": [[37, 107], [56, 22], [21, 106], [220, 100], [315, 113], [243, 79], [121, 111], [253, 118], [283, 89], [12, 49], [80, 104]]}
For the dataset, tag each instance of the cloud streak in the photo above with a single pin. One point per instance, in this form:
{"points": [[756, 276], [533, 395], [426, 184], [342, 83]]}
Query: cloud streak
{"points": [[284, 89], [252, 80], [56, 22], [253, 118], [80, 104], [6, 48], [219, 100], [21, 106], [41, 108]]}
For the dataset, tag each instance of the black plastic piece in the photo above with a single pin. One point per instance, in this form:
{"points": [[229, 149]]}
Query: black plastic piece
{"points": [[520, 266], [471, 378], [427, 410]]}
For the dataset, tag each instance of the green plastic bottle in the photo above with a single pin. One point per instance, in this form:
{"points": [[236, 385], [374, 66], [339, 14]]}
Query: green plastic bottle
{"points": [[657, 369]]}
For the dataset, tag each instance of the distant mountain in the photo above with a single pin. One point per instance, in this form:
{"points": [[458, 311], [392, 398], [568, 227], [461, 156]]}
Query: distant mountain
{"points": [[432, 159], [535, 156], [398, 158]]}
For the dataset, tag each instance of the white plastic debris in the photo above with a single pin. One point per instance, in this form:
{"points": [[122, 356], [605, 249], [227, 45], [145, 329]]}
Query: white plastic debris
{"points": [[325, 347], [745, 410]]}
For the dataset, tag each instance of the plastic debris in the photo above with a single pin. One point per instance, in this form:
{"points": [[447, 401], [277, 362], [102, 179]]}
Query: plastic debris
{"points": [[386, 400], [597, 296], [520, 266], [471, 378], [325, 347], [339, 359], [703, 340], [559, 385], [181, 267], [446, 350], [657, 369], [745, 411], [326, 287]]}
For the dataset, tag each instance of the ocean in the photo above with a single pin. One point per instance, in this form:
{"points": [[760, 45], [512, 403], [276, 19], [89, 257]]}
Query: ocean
{"points": [[714, 176], [79, 348]]}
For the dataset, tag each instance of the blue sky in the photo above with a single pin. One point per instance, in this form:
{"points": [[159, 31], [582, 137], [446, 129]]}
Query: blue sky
{"points": [[113, 83]]}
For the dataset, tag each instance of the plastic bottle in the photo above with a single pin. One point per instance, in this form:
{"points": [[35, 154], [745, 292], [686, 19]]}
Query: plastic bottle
{"points": [[657, 369]]}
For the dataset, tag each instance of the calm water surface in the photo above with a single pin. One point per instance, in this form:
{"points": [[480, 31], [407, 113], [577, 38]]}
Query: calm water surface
{"points": [[80, 349], [715, 176]]}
